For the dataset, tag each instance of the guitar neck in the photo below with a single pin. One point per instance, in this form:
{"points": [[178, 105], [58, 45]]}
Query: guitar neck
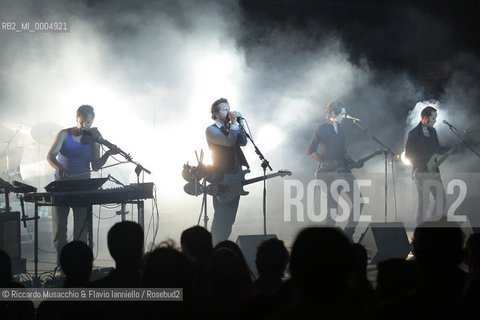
{"points": [[443, 157], [351, 166], [371, 156], [257, 179], [452, 149]]}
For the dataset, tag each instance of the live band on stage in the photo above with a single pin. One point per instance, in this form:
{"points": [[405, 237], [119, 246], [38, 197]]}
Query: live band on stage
{"points": [[77, 151]]}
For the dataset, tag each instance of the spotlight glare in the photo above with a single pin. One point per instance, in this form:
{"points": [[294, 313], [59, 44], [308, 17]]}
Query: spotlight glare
{"points": [[269, 137], [404, 159]]}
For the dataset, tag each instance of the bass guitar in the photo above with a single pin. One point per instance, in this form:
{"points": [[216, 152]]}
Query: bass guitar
{"points": [[232, 184], [347, 168], [436, 160]]}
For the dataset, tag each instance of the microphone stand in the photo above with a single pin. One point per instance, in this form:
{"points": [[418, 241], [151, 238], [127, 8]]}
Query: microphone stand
{"points": [[138, 169], [265, 164], [386, 152], [459, 135], [99, 139], [203, 208]]}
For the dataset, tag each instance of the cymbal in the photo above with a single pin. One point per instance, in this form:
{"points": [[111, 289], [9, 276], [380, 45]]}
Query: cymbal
{"points": [[11, 159], [44, 133], [16, 127], [15, 135]]}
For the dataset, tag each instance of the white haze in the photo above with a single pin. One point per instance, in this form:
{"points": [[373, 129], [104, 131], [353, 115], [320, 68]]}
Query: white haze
{"points": [[151, 72]]}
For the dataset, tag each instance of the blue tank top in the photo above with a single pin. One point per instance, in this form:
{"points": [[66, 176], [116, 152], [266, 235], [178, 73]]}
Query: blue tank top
{"points": [[75, 157]]}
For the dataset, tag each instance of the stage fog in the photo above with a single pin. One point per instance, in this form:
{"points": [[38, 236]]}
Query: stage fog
{"points": [[152, 69]]}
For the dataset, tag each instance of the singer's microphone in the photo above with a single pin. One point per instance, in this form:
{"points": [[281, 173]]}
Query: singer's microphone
{"points": [[352, 118], [98, 138], [448, 124], [94, 137]]}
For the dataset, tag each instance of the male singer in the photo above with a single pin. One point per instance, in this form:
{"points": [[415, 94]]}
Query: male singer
{"points": [[224, 139]]}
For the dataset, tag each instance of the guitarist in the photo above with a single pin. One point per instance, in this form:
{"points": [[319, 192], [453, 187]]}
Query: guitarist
{"points": [[224, 139], [329, 139], [422, 144]]}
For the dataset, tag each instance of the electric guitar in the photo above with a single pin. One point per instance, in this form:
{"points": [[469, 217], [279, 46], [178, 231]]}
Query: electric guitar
{"points": [[435, 161], [232, 184], [349, 167]]}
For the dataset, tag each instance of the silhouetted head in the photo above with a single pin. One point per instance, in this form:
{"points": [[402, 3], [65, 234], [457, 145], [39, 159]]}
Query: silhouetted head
{"points": [[76, 260], [272, 258], [321, 260], [5, 267], [227, 272], [439, 243], [236, 249], [125, 243], [166, 267], [197, 243]]}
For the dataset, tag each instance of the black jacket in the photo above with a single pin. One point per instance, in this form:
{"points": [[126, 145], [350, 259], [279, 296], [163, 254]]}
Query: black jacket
{"points": [[420, 149]]}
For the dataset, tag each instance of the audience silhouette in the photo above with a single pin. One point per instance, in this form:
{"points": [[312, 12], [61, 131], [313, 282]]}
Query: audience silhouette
{"points": [[321, 266], [197, 245], [125, 244], [235, 248], [166, 267], [230, 282], [396, 278], [12, 309], [438, 250], [328, 278], [472, 285], [76, 260], [271, 260], [359, 280]]}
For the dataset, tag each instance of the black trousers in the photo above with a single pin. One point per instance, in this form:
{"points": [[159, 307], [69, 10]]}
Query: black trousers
{"points": [[337, 180]]}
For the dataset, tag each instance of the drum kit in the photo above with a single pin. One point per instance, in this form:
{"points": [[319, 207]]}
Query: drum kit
{"points": [[23, 149]]}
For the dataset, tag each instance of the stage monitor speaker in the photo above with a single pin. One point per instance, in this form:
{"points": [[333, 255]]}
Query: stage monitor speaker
{"points": [[385, 240], [10, 234], [248, 244]]}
